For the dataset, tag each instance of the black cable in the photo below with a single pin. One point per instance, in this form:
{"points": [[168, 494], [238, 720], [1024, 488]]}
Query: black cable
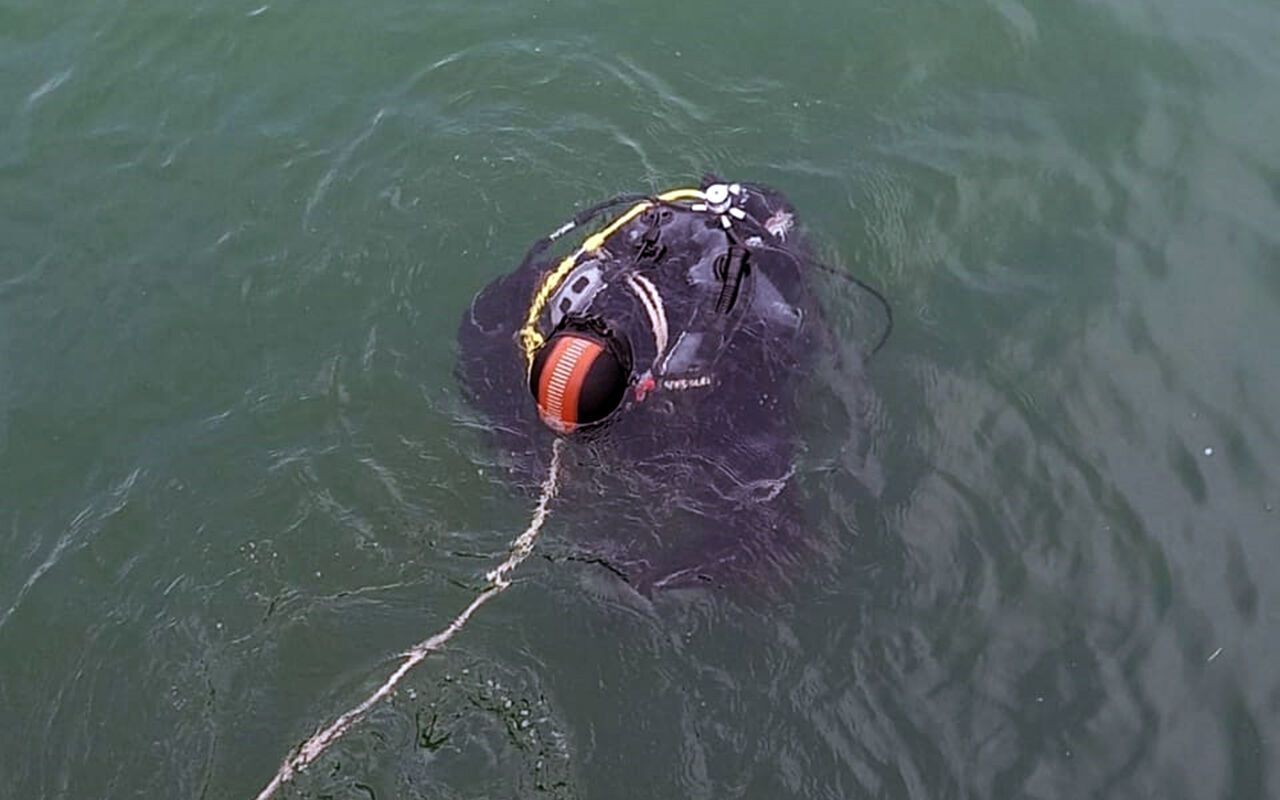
{"points": [[868, 288], [581, 218], [587, 213], [874, 292]]}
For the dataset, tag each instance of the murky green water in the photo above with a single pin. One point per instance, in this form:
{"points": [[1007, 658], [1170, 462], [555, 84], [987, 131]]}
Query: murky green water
{"points": [[236, 475]]}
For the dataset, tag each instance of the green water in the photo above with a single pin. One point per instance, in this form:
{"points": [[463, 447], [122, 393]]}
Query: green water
{"points": [[237, 477]]}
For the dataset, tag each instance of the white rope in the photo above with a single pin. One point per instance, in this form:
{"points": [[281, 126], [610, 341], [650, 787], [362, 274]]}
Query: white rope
{"points": [[499, 579]]}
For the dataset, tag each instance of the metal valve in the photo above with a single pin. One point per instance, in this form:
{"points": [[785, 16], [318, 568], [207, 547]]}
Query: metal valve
{"points": [[719, 200]]}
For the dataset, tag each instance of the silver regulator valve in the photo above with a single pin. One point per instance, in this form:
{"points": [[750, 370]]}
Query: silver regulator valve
{"points": [[720, 200]]}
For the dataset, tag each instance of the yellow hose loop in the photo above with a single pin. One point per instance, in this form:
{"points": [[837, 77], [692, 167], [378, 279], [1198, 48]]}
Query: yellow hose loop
{"points": [[530, 338]]}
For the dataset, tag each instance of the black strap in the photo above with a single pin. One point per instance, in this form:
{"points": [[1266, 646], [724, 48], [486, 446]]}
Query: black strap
{"points": [[731, 268]]}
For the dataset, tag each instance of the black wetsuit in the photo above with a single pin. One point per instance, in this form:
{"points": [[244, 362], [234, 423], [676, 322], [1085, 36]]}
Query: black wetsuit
{"points": [[689, 481]]}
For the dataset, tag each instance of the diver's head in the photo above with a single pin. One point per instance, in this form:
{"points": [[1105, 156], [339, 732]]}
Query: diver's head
{"points": [[579, 376]]}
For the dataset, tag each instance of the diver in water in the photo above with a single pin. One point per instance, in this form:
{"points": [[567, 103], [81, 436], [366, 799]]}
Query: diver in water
{"points": [[673, 346]]}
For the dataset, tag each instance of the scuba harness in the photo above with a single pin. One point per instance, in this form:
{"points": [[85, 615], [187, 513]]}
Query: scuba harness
{"points": [[577, 366], [531, 338], [572, 297]]}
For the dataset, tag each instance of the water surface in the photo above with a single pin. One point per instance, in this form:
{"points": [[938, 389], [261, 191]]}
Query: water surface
{"points": [[236, 475]]}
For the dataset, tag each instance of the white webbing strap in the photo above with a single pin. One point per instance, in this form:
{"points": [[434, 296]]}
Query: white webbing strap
{"points": [[653, 306]]}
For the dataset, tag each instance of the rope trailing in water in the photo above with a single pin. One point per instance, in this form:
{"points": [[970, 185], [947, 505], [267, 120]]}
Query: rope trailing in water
{"points": [[499, 578]]}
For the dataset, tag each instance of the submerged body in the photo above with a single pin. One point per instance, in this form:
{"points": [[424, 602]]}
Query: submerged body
{"points": [[702, 306]]}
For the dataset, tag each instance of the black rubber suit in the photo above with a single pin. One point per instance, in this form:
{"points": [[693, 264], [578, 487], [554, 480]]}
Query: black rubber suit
{"points": [[688, 482]]}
